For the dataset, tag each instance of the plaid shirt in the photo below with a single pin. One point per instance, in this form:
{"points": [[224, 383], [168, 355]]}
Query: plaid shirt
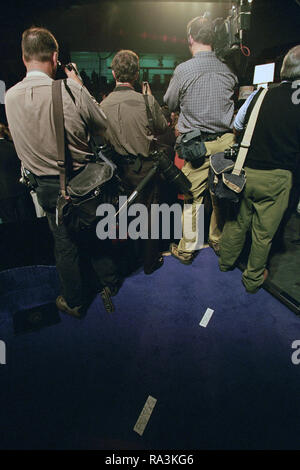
{"points": [[202, 88]]}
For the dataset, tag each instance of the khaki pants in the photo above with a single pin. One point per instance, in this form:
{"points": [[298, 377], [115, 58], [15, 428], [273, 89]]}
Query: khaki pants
{"points": [[264, 202], [198, 177]]}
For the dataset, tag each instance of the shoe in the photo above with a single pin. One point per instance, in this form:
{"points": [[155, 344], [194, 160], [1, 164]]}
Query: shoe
{"points": [[256, 289], [157, 265], [62, 306], [184, 259], [226, 269], [215, 247]]}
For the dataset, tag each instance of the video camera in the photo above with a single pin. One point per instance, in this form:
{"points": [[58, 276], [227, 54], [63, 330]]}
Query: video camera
{"points": [[230, 34]]}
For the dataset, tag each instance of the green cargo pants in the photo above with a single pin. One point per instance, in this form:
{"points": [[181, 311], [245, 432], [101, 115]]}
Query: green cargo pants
{"points": [[264, 202]]}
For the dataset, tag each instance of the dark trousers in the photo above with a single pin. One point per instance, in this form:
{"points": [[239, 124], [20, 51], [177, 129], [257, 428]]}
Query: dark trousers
{"points": [[150, 249], [17, 208], [83, 262]]}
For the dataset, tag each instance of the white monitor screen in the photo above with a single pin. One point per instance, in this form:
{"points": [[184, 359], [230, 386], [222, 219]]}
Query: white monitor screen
{"points": [[264, 73]]}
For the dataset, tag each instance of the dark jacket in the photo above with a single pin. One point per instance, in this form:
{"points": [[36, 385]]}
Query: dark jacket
{"points": [[10, 171]]}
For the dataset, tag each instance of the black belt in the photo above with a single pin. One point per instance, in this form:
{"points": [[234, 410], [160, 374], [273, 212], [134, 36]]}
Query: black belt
{"points": [[208, 136]]}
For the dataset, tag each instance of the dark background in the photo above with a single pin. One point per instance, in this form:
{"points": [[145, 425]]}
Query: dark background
{"points": [[144, 26]]}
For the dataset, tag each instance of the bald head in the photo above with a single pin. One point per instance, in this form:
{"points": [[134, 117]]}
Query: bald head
{"points": [[290, 69]]}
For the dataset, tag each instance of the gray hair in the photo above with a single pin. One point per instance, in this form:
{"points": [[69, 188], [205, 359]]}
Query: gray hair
{"points": [[290, 69]]}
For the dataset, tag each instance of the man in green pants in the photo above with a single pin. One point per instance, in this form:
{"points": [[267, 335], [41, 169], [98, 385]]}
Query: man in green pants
{"points": [[271, 160]]}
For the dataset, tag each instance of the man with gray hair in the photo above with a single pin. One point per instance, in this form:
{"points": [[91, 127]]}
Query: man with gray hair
{"points": [[29, 109], [272, 160]]}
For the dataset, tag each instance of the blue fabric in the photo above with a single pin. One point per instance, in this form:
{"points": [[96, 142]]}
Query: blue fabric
{"points": [[82, 384], [239, 121]]}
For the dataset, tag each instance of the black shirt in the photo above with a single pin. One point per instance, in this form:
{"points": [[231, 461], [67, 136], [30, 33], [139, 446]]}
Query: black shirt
{"points": [[276, 138]]}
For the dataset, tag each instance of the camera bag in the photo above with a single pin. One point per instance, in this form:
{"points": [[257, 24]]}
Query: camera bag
{"points": [[227, 178], [94, 185], [191, 148]]}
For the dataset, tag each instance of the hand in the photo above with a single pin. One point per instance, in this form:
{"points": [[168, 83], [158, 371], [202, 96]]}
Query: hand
{"points": [[146, 90], [73, 74]]}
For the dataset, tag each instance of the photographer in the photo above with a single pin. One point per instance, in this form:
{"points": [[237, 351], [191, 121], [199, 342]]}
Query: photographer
{"points": [[128, 131], [202, 89], [271, 163], [29, 108]]}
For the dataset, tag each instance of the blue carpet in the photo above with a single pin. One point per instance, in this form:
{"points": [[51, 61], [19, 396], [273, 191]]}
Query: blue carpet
{"points": [[82, 384]]}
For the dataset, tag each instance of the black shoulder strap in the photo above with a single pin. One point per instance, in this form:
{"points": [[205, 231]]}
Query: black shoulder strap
{"points": [[58, 117], [149, 114]]}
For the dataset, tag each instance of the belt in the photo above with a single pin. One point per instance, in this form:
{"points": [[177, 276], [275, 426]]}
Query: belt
{"points": [[208, 136]]}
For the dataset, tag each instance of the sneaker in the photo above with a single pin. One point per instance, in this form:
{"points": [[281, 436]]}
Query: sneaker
{"points": [[62, 306], [183, 258]]}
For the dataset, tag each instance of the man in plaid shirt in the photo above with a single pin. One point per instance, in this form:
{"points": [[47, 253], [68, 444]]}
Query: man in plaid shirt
{"points": [[202, 89]]}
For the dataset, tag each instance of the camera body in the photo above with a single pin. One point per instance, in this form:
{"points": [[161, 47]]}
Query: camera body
{"points": [[232, 152]]}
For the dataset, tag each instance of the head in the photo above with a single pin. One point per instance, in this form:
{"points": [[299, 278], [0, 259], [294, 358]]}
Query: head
{"points": [[200, 34], [40, 50], [125, 66], [290, 69]]}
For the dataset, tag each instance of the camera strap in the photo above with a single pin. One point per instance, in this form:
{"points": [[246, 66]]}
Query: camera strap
{"points": [[149, 114], [58, 117], [245, 144]]}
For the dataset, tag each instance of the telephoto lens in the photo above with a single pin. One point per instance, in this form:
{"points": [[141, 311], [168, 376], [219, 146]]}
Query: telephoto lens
{"points": [[171, 173]]}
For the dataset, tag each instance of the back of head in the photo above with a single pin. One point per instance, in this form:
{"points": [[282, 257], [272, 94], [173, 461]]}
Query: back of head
{"points": [[290, 69], [201, 30], [126, 66], [38, 44]]}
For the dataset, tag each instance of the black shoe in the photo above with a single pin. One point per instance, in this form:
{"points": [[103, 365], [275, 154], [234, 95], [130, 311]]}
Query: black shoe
{"points": [[156, 266]]}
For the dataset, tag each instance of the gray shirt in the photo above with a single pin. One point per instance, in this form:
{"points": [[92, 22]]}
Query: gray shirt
{"points": [[30, 117], [202, 88]]}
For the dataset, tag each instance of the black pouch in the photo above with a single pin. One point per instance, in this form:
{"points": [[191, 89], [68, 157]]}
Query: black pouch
{"points": [[93, 186], [191, 148]]}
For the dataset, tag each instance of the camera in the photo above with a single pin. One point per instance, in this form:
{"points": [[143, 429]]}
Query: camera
{"points": [[171, 173], [230, 36], [232, 152]]}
